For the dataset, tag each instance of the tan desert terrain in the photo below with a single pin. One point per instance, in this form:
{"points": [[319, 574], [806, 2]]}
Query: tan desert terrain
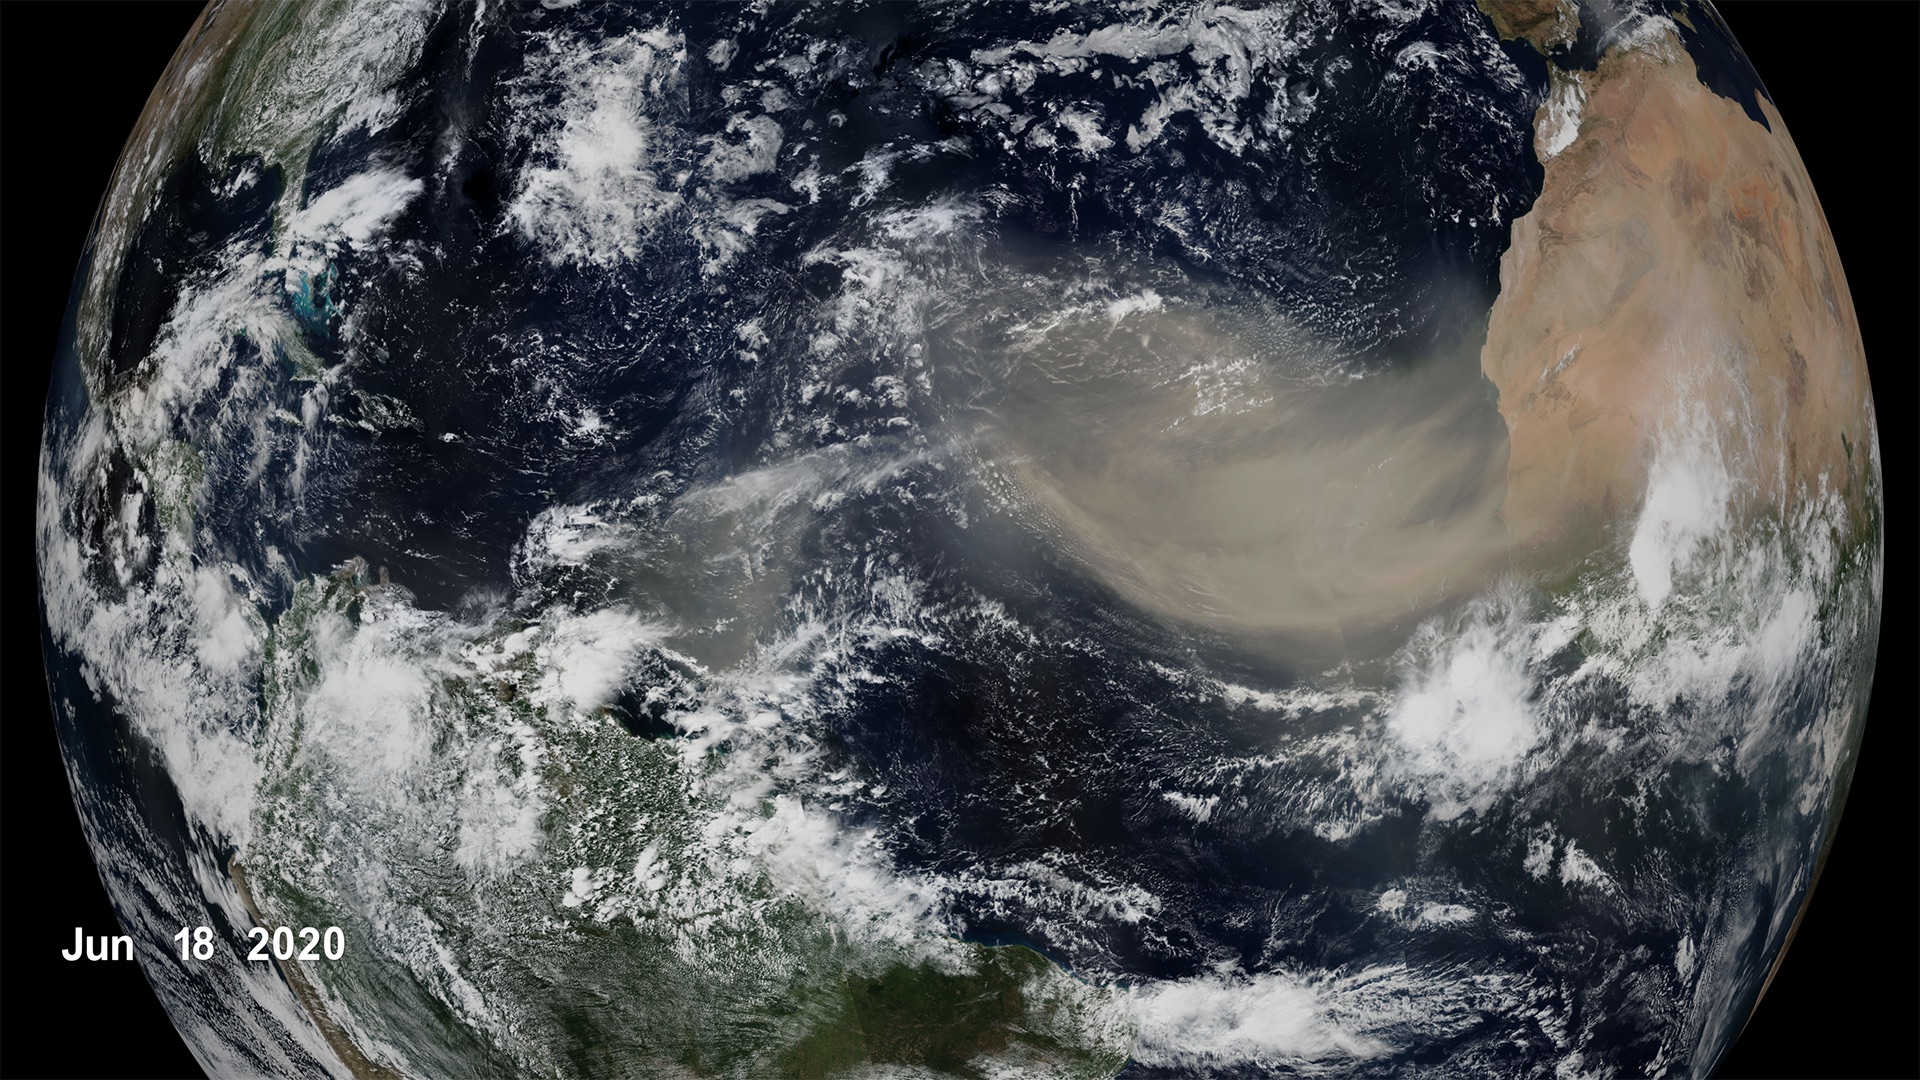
{"points": [[1675, 270]]}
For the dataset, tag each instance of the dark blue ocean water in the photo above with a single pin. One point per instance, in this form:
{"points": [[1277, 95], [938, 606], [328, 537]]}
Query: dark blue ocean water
{"points": [[1379, 224]]}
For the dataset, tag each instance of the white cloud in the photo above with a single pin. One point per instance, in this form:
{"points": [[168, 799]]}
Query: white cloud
{"points": [[1688, 491], [1577, 867], [755, 152], [587, 657], [356, 210], [229, 632], [369, 708], [500, 805], [1269, 1020], [1539, 860], [1559, 120], [1464, 716], [599, 194]]}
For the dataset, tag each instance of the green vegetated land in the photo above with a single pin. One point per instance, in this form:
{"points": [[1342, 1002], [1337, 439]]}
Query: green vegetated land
{"points": [[919, 1015]]}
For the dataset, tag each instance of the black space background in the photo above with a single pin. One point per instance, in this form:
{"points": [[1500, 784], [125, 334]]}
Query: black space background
{"points": [[75, 76]]}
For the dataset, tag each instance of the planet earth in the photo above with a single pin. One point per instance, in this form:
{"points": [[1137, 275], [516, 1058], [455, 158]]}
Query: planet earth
{"points": [[1019, 540]]}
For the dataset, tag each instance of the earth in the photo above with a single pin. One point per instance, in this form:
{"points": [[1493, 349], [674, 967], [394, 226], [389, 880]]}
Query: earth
{"points": [[1029, 540]]}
